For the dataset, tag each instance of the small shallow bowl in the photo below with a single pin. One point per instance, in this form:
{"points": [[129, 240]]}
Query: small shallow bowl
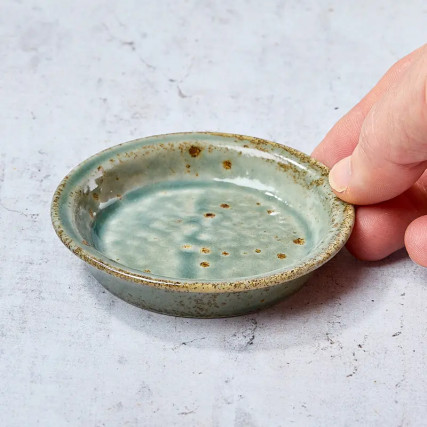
{"points": [[201, 224]]}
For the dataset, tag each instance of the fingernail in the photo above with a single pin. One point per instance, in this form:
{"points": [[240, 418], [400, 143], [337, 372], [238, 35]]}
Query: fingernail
{"points": [[340, 175]]}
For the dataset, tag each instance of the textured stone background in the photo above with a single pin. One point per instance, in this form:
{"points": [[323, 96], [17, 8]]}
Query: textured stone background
{"points": [[78, 76]]}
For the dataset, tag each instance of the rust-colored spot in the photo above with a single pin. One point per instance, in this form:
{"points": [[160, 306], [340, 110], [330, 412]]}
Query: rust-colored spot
{"points": [[281, 256], [225, 253], [188, 166], [225, 205], [197, 174], [205, 250], [299, 241], [194, 151], [226, 164], [147, 270], [258, 251], [262, 300], [112, 160], [95, 196], [258, 203], [85, 242], [270, 211], [92, 215], [100, 168], [209, 215], [117, 178], [119, 196], [204, 264], [186, 246], [317, 182]]}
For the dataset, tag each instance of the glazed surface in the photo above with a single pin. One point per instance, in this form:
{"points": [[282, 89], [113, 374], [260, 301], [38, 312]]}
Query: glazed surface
{"points": [[204, 212], [202, 230]]}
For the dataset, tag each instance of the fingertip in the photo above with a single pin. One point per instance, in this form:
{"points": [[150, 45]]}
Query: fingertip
{"points": [[416, 240], [379, 230], [322, 155], [370, 240], [340, 175]]}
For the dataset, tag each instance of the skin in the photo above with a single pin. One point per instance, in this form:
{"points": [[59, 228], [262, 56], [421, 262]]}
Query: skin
{"points": [[378, 155]]}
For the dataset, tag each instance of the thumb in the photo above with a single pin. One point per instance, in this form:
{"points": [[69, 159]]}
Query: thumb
{"points": [[392, 150]]}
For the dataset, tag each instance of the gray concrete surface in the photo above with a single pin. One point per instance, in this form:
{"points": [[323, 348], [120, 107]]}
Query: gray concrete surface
{"points": [[79, 76]]}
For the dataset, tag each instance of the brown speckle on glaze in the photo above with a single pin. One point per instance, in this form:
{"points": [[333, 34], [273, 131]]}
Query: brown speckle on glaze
{"points": [[85, 242], [225, 205], [225, 253], [95, 196], [316, 183], [295, 172], [299, 241], [147, 270], [209, 215], [194, 151], [258, 203], [258, 251], [226, 164], [205, 264], [281, 256], [270, 211], [186, 246], [205, 251]]}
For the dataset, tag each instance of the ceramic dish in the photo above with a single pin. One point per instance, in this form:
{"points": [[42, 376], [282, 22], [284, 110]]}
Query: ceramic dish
{"points": [[201, 224]]}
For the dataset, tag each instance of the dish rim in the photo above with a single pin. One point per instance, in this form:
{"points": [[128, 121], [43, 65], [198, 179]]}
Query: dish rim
{"points": [[103, 263]]}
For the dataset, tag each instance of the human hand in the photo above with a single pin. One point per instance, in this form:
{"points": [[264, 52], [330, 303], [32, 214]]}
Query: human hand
{"points": [[378, 151]]}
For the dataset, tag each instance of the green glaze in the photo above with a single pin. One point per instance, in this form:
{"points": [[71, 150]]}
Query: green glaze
{"points": [[201, 224], [179, 230]]}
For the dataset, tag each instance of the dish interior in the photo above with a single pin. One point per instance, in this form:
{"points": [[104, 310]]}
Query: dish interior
{"points": [[202, 209], [202, 229]]}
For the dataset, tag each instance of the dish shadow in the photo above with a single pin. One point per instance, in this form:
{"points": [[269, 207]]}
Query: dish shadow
{"points": [[340, 294]]}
